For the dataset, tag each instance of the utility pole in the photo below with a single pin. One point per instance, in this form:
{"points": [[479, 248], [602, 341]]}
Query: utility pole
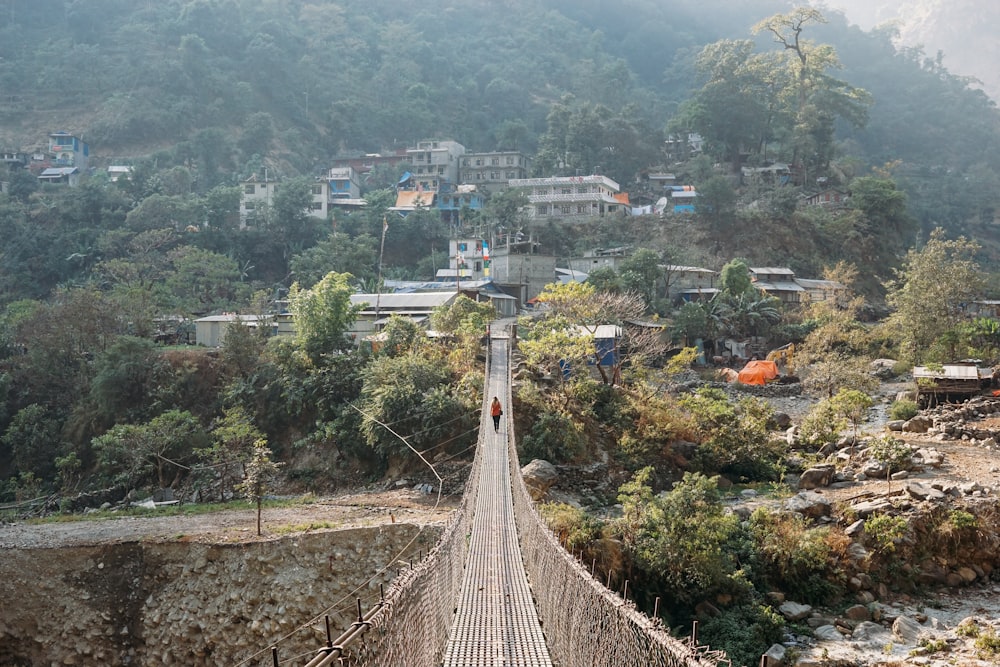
{"points": [[378, 284]]}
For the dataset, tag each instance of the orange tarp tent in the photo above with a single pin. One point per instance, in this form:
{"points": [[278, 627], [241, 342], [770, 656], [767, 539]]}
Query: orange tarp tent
{"points": [[758, 371]]}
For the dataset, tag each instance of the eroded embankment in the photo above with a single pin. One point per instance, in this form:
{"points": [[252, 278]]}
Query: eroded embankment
{"points": [[177, 603]]}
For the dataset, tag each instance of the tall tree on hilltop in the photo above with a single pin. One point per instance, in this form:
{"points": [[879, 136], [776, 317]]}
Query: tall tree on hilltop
{"points": [[819, 98]]}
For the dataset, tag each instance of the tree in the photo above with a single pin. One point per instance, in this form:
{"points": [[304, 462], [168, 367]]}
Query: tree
{"points": [[738, 105], [34, 441], [402, 336], [323, 315], [678, 539], [891, 452], [750, 313], [411, 393], [928, 293], [559, 340], [136, 455], [233, 440], [734, 278], [716, 203], [260, 474], [819, 98], [126, 378], [605, 279], [338, 252], [203, 280], [291, 217], [641, 272], [852, 405]]}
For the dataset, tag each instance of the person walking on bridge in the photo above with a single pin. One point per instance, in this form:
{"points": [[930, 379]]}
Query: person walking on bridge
{"points": [[495, 411]]}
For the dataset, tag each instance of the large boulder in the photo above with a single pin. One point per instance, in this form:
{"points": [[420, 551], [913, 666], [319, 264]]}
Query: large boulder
{"points": [[794, 611], [907, 630], [918, 424], [810, 504], [539, 476], [816, 477]]}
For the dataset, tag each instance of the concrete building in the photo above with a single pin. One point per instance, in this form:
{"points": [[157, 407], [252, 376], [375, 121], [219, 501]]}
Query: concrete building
{"points": [[520, 270], [435, 163], [66, 150], [600, 258], [377, 308], [492, 171], [569, 197], [256, 198], [211, 331]]}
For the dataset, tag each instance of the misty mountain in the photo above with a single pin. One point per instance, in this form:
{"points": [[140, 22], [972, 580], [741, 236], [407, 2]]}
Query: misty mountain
{"points": [[963, 31]]}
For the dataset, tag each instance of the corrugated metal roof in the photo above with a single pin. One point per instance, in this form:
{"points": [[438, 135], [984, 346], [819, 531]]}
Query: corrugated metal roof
{"points": [[600, 330], [772, 270], [779, 286], [949, 372], [411, 301], [410, 199]]}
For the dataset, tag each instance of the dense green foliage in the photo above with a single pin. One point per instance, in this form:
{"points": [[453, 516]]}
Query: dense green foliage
{"points": [[199, 94]]}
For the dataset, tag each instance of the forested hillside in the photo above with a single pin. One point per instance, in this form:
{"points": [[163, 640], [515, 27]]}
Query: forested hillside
{"points": [[196, 95]]}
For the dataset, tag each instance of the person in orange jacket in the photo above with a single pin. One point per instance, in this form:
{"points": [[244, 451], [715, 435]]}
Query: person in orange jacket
{"points": [[495, 411]]}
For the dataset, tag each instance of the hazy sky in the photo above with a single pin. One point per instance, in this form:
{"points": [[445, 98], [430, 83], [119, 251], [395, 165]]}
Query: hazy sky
{"points": [[964, 30]]}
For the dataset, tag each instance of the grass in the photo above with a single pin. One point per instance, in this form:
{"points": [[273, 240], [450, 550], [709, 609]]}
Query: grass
{"points": [[303, 527], [187, 509]]}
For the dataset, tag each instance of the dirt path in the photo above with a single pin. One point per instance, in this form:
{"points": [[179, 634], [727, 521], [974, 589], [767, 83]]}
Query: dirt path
{"points": [[346, 511]]}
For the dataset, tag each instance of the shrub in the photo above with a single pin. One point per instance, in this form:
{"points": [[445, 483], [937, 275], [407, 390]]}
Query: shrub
{"points": [[884, 531], [678, 539], [821, 425], [734, 440], [961, 520], [745, 632], [988, 643], [904, 409], [799, 560], [573, 526], [554, 437]]}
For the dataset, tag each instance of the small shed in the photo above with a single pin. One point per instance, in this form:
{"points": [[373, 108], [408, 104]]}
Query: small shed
{"points": [[211, 331], [950, 382]]}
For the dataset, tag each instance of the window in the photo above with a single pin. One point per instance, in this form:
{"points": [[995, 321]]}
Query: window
{"points": [[316, 206], [495, 175], [495, 162], [317, 189], [567, 191], [250, 205], [511, 174], [250, 189], [479, 163], [543, 209], [510, 159], [479, 265], [581, 209], [564, 209]]}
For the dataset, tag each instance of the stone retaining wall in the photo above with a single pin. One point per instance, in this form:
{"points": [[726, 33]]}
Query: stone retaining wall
{"points": [[153, 604]]}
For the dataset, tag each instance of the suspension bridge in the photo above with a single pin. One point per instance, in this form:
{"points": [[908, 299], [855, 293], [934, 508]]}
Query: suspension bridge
{"points": [[499, 589]]}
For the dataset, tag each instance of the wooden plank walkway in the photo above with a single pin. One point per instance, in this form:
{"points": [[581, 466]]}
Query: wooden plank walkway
{"points": [[496, 622]]}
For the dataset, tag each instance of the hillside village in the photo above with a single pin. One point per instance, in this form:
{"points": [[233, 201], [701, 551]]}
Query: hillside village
{"points": [[487, 262]]}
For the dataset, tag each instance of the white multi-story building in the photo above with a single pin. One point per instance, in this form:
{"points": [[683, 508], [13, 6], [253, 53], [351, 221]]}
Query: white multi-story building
{"points": [[572, 196], [257, 196]]}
